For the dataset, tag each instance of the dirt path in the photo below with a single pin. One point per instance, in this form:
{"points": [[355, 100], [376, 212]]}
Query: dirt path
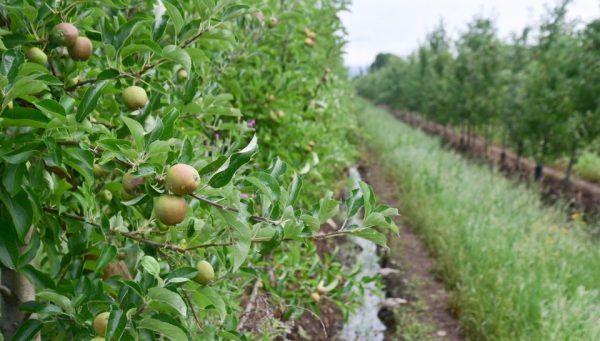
{"points": [[581, 194], [426, 313]]}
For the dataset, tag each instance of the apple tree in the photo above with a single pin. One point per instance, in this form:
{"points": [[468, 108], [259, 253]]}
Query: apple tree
{"points": [[153, 158]]}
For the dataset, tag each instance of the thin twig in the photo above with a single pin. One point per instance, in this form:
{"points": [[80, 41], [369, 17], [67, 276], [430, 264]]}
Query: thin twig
{"points": [[71, 216], [96, 150], [233, 209], [187, 298]]}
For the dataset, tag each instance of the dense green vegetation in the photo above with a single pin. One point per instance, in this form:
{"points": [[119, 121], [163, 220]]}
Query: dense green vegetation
{"points": [[517, 269], [101, 237], [537, 92]]}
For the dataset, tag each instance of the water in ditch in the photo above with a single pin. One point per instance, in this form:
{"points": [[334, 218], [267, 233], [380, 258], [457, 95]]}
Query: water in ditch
{"points": [[364, 324]]}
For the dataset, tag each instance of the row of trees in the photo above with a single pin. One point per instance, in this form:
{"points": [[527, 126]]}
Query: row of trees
{"points": [[160, 159], [537, 92]]}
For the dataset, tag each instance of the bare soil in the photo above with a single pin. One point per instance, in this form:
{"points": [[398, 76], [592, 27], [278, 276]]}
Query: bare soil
{"points": [[580, 194], [261, 309], [417, 281], [330, 320]]}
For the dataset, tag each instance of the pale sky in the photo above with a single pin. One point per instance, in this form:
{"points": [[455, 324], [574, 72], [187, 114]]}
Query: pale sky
{"points": [[398, 26]]}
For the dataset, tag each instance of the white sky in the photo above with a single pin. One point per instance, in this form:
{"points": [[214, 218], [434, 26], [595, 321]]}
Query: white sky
{"points": [[398, 26]]}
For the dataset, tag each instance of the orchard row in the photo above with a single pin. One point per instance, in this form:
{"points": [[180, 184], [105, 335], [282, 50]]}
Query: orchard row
{"points": [[160, 158], [536, 92]]}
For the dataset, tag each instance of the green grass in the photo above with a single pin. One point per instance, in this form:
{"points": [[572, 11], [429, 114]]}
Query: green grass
{"points": [[588, 166], [517, 269]]}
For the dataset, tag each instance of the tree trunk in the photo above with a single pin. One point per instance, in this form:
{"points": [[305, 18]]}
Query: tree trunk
{"points": [[485, 146], [15, 290], [503, 153], [539, 171], [572, 160], [519, 152]]}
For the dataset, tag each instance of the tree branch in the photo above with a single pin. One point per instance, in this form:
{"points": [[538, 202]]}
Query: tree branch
{"points": [[134, 235], [140, 73], [92, 81]]}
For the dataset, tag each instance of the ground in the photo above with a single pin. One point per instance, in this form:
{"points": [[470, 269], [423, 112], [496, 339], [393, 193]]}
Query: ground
{"points": [[426, 313]]}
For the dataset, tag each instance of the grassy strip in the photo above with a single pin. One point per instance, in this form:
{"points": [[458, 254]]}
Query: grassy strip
{"points": [[517, 269]]}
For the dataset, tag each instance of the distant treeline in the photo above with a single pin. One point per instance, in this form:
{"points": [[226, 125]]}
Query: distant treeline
{"points": [[537, 92]]}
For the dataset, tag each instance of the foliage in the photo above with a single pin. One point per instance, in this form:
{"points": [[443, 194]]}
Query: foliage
{"points": [[259, 74]]}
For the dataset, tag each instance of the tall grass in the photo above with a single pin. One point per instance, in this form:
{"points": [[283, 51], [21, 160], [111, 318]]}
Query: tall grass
{"points": [[517, 270]]}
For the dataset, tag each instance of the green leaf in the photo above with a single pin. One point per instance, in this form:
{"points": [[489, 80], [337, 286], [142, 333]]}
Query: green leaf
{"points": [[50, 80], [68, 103], [226, 172], [311, 222], [294, 189], [108, 254], [117, 321], [167, 300], [179, 56], [24, 87], [368, 197], [30, 250], [150, 265], [372, 235], [235, 11], [137, 131], [108, 74], [328, 209], [20, 211], [61, 301], [135, 48], [159, 152], [211, 167], [278, 168], [28, 330], [175, 16], [186, 154], [80, 160], [243, 236], [378, 219], [167, 330], [156, 132], [24, 117], [9, 252], [38, 278], [169, 123], [13, 177], [22, 154], [354, 203], [51, 107], [11, 61], [90, 100], [185, 272], [206, 296], [274, 242], [266, 184], [375, 219]]}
